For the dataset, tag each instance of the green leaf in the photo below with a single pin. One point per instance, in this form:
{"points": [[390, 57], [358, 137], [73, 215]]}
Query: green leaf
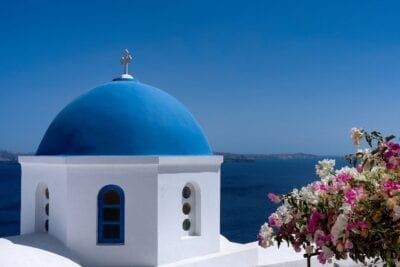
{"points": [[390, 137], [376, 133], [369, 140]]}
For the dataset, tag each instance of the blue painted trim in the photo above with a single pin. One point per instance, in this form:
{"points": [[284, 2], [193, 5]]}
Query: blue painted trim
{"points": [[101, 222]]}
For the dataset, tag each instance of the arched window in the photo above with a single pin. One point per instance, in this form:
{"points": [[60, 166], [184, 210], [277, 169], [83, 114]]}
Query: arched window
{"points": [[110, 212]]}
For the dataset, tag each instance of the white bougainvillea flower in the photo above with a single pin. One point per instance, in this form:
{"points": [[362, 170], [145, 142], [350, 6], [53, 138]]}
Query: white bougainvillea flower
{"points": [[396, 213], [353, 173], [339, 227], [308, 195], [265, 236], [356, 135], [325, 167], [284, 214]]}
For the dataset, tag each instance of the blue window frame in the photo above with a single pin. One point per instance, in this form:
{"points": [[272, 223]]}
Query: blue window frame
{"points": [[111, 213]]}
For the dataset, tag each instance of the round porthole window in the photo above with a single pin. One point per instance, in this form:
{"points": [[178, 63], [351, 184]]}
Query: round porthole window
{"points": [[186, 225], [186, 192], [47, 209], [47, 193], [186, 208], [46, 225]]}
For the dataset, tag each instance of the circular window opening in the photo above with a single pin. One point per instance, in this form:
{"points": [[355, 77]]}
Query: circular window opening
{"points": [[186, 192], [47, 209], [46, 225], [186, 208], [46, 192], [186, 225]]}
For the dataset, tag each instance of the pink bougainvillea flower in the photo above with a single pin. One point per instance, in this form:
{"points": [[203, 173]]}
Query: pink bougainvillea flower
{"points": [[359, 168], [359, 224], [315, 186], [391, 155], [321, 239], [321, 258], [351, 226], [348, 244], [323, 187], [318, 186], [362, 224], [350, 196], [274, 198], [344, 177], [313, 222], [273, 220], [393, 146], [391, 185], [388, 154], [389, 166], [297, 246]]}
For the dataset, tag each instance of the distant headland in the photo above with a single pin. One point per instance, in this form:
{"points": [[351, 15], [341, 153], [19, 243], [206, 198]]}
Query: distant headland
{"points": [[10, 156], [233, 157]]}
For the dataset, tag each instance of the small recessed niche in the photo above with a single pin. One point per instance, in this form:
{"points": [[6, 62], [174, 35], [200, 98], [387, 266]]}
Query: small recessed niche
{"points": [[186, 192], [186, 225], [186, 208]]}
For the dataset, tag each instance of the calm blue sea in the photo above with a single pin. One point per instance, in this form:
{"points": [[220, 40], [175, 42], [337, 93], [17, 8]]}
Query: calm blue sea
{"points": [[244, 205]]}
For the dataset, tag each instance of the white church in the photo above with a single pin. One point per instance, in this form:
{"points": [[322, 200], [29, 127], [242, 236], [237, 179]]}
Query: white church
{"points": [[125, 176]]}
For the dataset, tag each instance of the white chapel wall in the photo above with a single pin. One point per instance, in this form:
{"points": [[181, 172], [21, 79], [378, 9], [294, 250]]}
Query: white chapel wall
{"points": [[137, 178], [38, 173], [174, 174]]}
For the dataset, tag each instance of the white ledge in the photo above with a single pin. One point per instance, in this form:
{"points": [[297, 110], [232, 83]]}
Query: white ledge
{"points": [[161, 160]]}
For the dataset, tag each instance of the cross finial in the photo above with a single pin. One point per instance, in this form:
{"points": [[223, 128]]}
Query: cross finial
{"points": [[125, 60]]}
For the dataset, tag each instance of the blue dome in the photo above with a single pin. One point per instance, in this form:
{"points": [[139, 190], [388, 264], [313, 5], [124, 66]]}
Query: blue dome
{"points": [[124, 117]]}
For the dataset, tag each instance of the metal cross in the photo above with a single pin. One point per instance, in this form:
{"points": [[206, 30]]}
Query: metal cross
{"points": [[125, 60]]}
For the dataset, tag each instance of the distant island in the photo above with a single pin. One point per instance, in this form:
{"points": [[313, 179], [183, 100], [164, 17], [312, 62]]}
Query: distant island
{"points": [[232, 157], [9, 156]]}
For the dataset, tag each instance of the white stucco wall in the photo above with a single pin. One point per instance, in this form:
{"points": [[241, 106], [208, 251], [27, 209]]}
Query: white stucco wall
{"points": [[174, 174], [138, 179], [153, 205], [52, 173]]}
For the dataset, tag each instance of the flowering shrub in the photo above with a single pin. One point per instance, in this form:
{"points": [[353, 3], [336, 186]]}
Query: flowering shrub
{"points": [[351, 212]]}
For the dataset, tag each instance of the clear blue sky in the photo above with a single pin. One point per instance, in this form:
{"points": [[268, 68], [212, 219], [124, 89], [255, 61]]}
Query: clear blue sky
{"points": [[260, 76]]}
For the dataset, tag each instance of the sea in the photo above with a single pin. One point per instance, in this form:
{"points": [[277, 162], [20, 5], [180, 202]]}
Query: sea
{"points": [[244, 188]]}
